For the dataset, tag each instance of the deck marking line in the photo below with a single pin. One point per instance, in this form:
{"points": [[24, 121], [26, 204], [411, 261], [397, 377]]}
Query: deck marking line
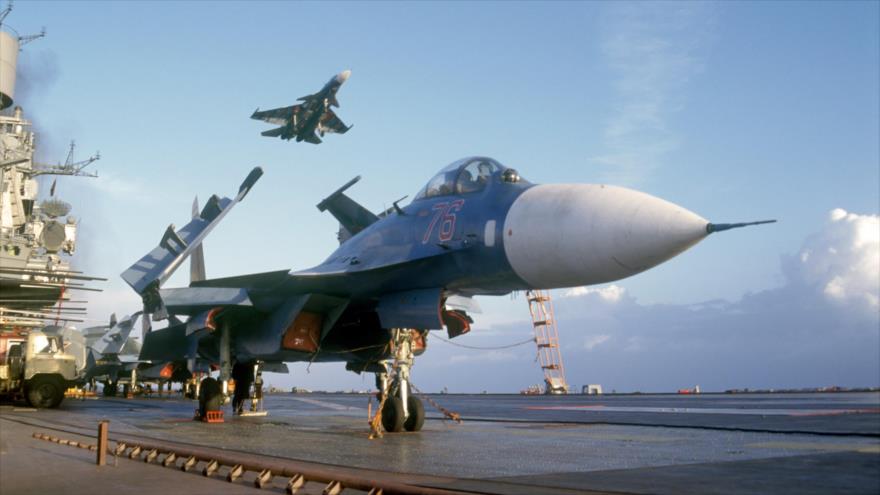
{"points": [[706, 410]]}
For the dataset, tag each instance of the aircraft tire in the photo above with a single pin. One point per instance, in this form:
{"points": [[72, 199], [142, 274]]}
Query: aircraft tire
{"points": [[416, 418], [210, 396], [44, 393], [392, 415]]}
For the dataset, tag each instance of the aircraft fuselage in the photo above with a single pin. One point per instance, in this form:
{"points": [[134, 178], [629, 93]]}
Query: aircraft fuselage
{"points": [[476, 228]]}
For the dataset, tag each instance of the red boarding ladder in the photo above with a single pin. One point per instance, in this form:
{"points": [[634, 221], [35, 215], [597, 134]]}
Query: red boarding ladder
{"points": [[547, 340]]}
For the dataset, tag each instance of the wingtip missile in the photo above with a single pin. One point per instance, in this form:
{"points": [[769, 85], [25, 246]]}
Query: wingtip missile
{"points": [[721, 227]]}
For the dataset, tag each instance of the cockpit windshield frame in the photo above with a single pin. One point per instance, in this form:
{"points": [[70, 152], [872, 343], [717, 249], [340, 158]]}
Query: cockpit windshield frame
{"points": [[466, 176]]}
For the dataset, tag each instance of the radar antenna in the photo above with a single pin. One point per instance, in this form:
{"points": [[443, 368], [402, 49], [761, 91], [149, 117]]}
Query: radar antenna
{"points": [[22, 40], [70, 167], [5, 12]]}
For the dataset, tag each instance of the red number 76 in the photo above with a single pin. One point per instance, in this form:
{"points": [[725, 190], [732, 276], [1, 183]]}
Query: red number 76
{"points": [[446, 211]]}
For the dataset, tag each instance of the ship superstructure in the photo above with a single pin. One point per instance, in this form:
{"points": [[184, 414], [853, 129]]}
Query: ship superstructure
{"points": [[37, 233]]}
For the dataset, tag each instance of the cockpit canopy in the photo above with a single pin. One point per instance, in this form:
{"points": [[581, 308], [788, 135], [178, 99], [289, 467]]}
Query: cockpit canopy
{"points": [[465, 176]]}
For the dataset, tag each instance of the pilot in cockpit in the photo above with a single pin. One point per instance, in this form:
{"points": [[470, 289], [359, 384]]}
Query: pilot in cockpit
{"points": [[485, 172], [466, 182]]}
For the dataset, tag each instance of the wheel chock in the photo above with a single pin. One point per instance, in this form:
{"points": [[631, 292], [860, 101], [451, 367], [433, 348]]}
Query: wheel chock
{"points": [[213, 417]]}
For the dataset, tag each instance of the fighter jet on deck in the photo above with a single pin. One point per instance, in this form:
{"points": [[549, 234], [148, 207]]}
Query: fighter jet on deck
{"points": [[112, 353], [313, 115], [476, 228]]}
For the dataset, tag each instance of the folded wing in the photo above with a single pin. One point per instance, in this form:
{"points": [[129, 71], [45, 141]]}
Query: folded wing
{"points": [[152, 270]]}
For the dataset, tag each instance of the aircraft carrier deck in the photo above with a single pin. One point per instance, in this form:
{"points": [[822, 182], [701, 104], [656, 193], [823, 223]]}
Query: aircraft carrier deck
{"points": [[738, 443]]}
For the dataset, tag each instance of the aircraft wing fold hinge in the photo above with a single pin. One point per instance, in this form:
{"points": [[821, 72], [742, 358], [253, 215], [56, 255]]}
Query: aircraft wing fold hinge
{"points": [[212, 209], [154, 268], [172, 242]]}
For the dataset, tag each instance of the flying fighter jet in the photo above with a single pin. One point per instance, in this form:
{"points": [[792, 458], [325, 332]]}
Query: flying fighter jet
{"points": [[314, 114], [476, 228]]}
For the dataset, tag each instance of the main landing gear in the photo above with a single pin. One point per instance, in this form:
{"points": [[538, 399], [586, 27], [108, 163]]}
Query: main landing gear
{"points": [[400, 409], [111, 388], [248, 379], [213, 393], [248, 388]]}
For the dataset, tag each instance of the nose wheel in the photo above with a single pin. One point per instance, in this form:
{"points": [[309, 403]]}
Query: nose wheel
{"points": [[416, 418], [400, 409], [393, 416]]}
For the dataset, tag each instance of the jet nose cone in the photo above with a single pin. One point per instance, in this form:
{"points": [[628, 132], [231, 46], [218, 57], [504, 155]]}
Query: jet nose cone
{"points": [[565, 235], [343, 76]]}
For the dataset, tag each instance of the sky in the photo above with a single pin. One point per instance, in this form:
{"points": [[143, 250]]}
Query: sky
{"points": [[737, 111]]}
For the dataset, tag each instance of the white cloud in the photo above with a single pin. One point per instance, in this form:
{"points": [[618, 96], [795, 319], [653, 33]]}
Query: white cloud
{"points": [[119, 187], [653, 49], [591, 341], [837, 214], [611, 293], [843, 260]]}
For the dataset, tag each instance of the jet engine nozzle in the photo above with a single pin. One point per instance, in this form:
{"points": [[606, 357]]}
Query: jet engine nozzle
{"points": [[567, 235]]}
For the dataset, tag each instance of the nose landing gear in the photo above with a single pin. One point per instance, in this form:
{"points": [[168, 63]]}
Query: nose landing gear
{"points": [[400, 410]]}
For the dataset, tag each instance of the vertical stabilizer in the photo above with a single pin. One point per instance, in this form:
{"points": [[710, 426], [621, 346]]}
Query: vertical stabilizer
{"points": [[197, 258], [352, 217]]}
